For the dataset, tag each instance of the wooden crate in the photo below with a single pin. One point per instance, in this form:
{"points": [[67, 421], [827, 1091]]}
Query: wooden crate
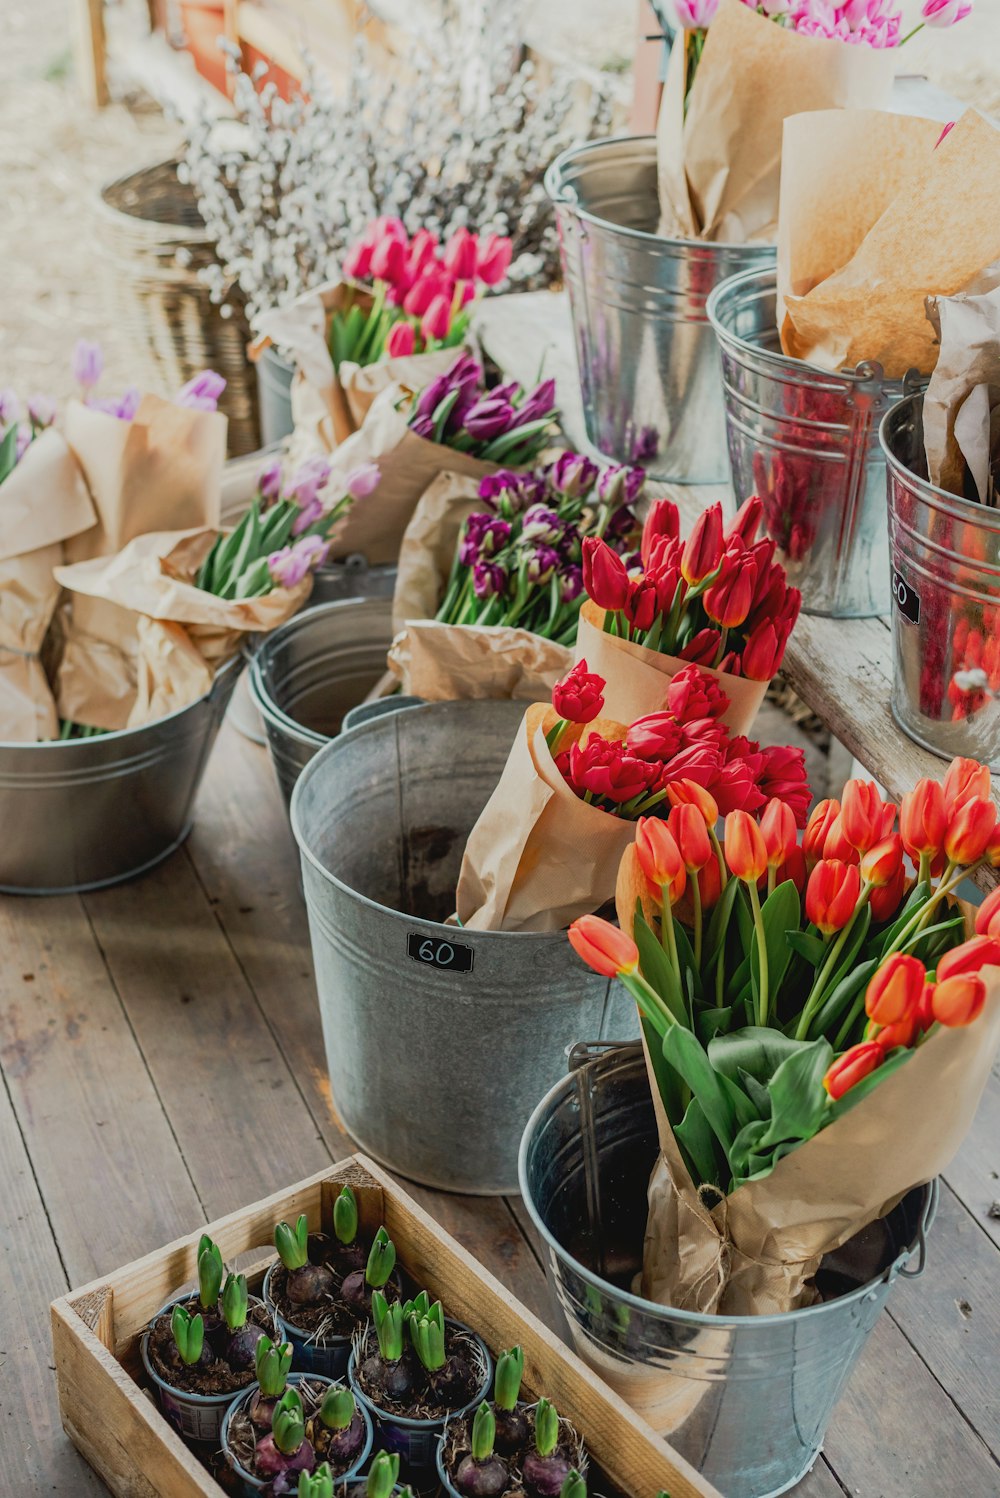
{"points": [[109, 1417]]}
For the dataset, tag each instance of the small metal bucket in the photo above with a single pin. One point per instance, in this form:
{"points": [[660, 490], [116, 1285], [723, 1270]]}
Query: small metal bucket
{"points": [[945, 554], [746, 1399], [306, 675], [274, 396], [806, 441], [439, 1040], [649, 370], [78, 814], [352, 578]]}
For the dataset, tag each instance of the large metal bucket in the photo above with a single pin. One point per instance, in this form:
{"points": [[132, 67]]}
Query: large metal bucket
{"points": [[806, 441], [306, 675], [82, 813], [746, 1399], [945, 554], [274, 396], [439, 1040], [649, 370]]}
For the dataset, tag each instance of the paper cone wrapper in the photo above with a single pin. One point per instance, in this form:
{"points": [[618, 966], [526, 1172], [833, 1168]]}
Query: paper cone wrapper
{"points": [[96, 677], [460, 662], [409, 464], [43, 501], [719, 167], [964, 391], [756, 1251], [329, 407], [636, 679], [162, 471], [151, 578], [870, 201], [539, 856], [429, 544]]}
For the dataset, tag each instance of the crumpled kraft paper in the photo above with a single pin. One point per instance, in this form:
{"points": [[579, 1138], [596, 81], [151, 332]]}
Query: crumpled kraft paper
{"points": [[429, 544], [42, 502], [538, 856], [876, 217], [961, 410], [375, 526], [636, 678], [327, 406], [756, 1251], [460, 662], [719, 167], [153, 577]]}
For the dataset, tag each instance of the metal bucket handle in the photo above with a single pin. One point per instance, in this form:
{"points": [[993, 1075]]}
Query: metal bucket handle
{"points": [[365, 712], [901, 1266]]}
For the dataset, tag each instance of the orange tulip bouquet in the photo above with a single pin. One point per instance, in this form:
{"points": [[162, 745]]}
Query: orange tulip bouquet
{"points": [[717, 599], [819, 1022]]}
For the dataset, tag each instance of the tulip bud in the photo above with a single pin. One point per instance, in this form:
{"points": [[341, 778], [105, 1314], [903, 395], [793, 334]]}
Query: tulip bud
{"points": [[402, 340], [388, 259], [703, 550], [922, 819], [902, 1033], [837, 846], [861, 814], [603, 947], [727, 601], [460, 255], [852, 1067], [662, 520], [793, 868], [976, 953], [690, 833], [959, 1000], [690, 793], [895, 989], [745, 523], [579, 697], [966, 779], [358, 261], [879, 864], [762, 653], [988, 915], [970, 827], [777, 827], [493, 259], [436, 321], [884, 902], [821, 819], [745, 849], [604, 576], [660, 858], [832, 894]]}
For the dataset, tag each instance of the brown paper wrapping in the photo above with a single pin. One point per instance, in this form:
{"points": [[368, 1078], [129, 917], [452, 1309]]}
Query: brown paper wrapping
{"points": [[42, 502], [409, 464], [328, 407], [875, 218], [449, 662], [637, 678], [151, 578], [755, 1252], [538, 856], [719, 167], [961, 410]]}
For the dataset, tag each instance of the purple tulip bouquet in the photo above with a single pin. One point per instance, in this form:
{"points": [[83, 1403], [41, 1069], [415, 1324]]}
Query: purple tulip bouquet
{"points": [[519, 560], [502, 425]]}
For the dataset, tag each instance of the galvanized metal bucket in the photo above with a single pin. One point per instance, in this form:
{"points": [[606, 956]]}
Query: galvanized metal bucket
{"points": [[806, 441], [78, 814], [439, 1040], [306, 675], [352, 578], [649, 370], [746, 1399], [945, 554], [274, 396]]}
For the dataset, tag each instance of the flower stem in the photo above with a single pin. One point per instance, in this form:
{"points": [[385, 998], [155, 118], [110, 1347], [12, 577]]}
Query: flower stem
{"points": [[817, 992], [763, 995], [696, 901]]}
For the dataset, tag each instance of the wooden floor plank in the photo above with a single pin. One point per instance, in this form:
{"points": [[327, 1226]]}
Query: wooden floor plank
{"points": [[239, 1119], [84, 1099], [974, 1175], [951, 1316], [36, 1459], [820, 1483]]}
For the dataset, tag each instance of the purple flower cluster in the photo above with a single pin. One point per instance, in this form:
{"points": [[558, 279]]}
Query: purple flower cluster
{"points": [[199, 394], [519, 560], [502, 424]]}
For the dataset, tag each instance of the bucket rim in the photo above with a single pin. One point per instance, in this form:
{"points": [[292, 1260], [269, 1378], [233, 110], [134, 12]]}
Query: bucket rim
{"points": [[315, 767], [968, 511], [116, 735], [551, 182], [769, 274], [653, 1309]]}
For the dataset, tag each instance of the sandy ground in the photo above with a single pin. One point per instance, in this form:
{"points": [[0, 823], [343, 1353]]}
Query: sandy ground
{"points": [[55, 154]]}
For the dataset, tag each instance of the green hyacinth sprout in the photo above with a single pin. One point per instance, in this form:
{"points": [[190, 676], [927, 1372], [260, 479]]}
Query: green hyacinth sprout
{"points": [[381, 1260], [272, 1365], [345, 1217], [507, 1384], [427, 1336], [382, 1475], [338, 1408], [235, 1302], [288, 1423], [189, 1334], [546, 1428], [293, 1243], [389, 1323], [484, 1433], [211, 1272]]}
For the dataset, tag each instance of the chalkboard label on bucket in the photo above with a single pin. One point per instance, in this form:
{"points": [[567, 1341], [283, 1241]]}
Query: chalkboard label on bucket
{"points": [[907, 600], [453, 956]]}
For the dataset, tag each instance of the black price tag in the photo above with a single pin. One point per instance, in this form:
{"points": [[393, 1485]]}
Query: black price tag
{"points": [[907, 601], [454, 956]]}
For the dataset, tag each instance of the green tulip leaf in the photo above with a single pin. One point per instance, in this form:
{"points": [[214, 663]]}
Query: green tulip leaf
{"points": [[798, 1098]]}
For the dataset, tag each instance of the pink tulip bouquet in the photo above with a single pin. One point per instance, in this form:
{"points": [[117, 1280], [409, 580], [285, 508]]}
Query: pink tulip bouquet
{"points": [[414, 295]]}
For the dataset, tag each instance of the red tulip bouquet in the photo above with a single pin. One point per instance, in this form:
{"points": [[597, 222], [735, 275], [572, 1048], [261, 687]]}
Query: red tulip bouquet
{"points": [[804, 1003], [549, 842], [396, 318], [717, 599], [490, 577]]}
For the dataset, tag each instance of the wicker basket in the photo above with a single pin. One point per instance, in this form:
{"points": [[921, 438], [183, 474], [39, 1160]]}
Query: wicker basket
{"points": [[155, 243]]}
